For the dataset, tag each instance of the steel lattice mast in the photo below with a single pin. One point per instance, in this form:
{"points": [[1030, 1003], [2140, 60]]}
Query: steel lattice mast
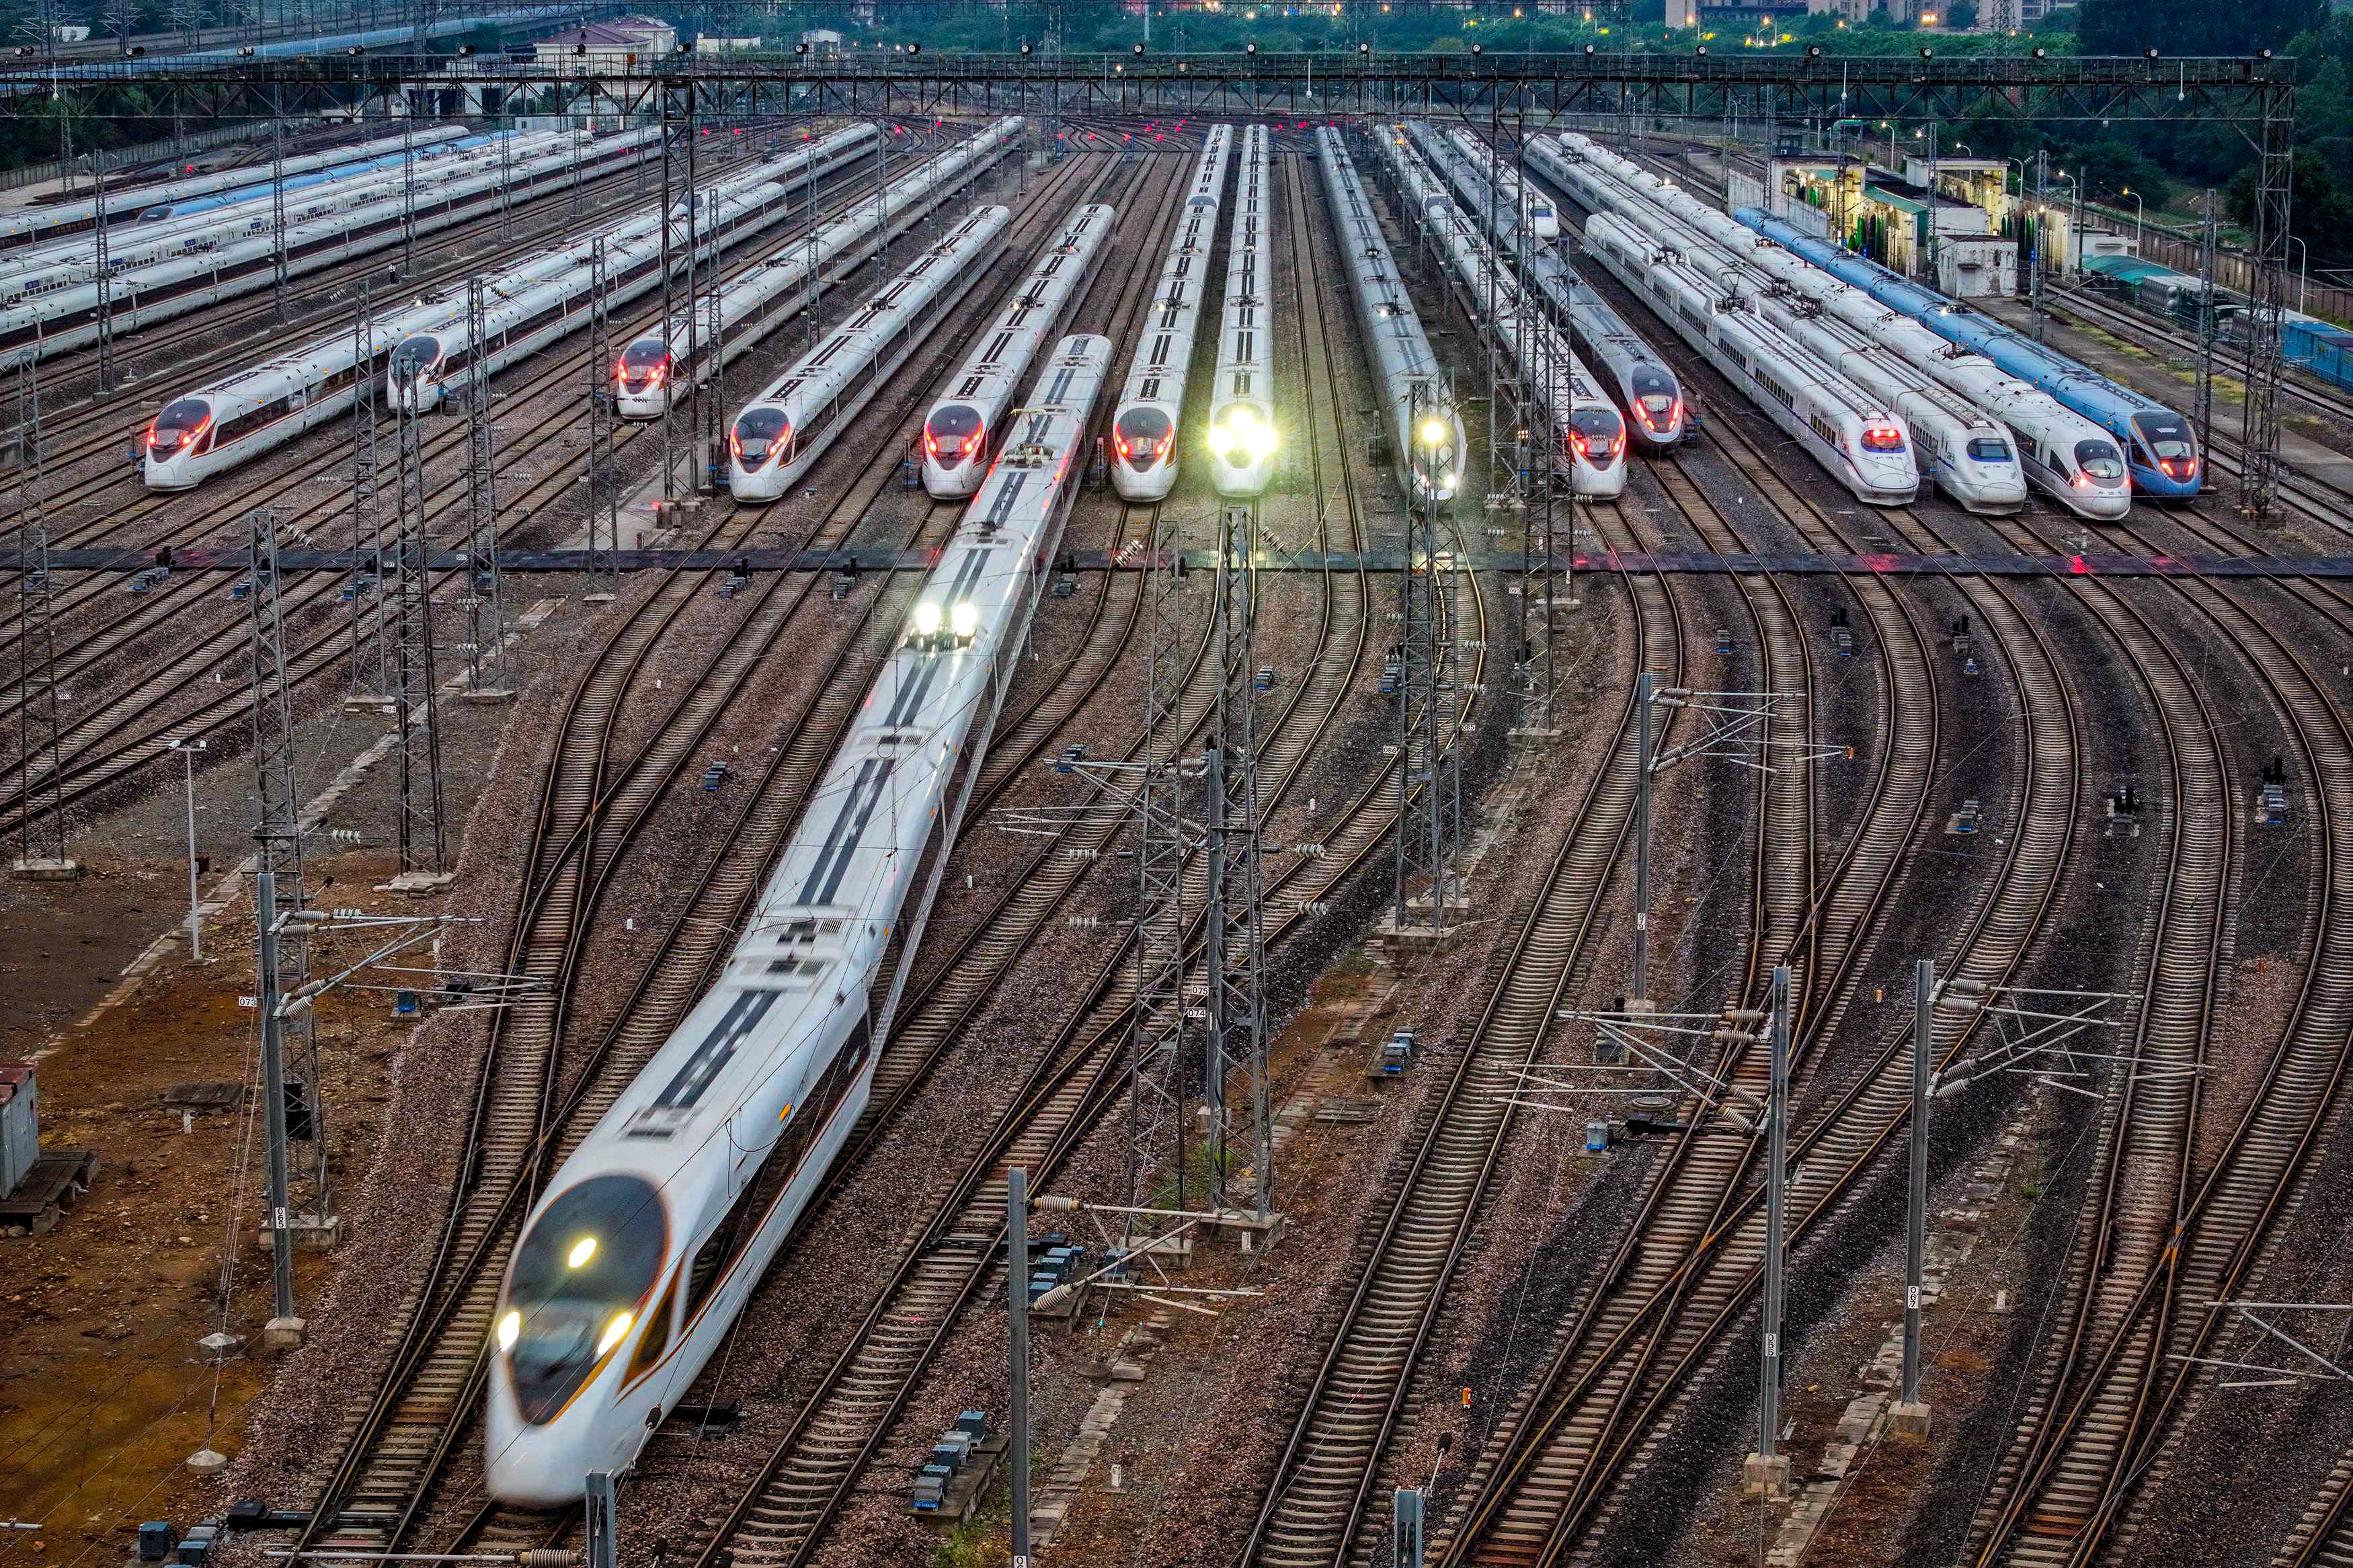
{"points": [[370, 683], [2268, 306], [1234, 945], [486, 653], [416, 727], [604, 498], [37, 646], [1157, 1093]]}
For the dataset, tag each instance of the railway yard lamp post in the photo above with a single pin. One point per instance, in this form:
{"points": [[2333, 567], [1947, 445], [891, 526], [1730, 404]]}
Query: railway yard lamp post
{"points": [[2140, 212], [1911, 1411], [188, 750], [1016, 1307], [1767, 1470]]}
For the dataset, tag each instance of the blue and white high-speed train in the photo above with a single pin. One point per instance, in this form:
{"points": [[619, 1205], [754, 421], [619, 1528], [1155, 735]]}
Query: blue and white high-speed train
{"points": [[1242, 434], [648, 1239], [2160, 451], [1585, 437], [1144, 456], [965, 427], [1644, 386], [781, 434], [1416, 406]]}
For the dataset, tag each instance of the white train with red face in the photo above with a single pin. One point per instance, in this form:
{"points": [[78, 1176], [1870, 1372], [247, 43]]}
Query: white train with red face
{"points": [[650, 1237], [967, 426], [1146, 455]]}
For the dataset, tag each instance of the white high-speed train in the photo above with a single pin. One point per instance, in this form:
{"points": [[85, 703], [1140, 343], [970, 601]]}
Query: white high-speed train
{"points": [[1417, 410], [1645, 387], [1543, 218], [2069, 457], [1144, 456], [418, 346], [1586, 441], [780, 434], [164, 232], [1242, 435], [49, 322], [650, 369], [30, 226], [1700, 290], [650, 1237], [965, 426]]}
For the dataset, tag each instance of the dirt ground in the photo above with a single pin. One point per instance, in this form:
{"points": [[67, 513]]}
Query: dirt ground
{"points": [[104, 1391]]}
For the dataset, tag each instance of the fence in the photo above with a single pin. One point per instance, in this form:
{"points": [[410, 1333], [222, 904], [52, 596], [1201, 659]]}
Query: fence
{"points": [[115, 158]]}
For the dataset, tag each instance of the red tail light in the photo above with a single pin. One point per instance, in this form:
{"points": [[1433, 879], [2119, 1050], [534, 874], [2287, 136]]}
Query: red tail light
{"points": [[930, 444]]}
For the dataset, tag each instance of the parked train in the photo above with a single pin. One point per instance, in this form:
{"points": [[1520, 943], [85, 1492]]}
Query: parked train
{"points": [[38, 325], [418, 347], [1694, 285], [1586, 437], [1242, 435], [1417, 410], [780, 434], [966, 426], [650, 1237], [1644, 387], [1145, 458], [652, 369], [2159, 449], [53, 220]]}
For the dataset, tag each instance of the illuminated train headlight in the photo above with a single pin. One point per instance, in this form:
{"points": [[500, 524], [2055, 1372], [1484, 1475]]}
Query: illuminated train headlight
{"points": [[927, 618], [510, 1328], [964, 620]]}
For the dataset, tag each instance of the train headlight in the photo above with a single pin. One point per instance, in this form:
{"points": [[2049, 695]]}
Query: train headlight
{"points": [[927, 619], [615, 1331], [510, 1328], [582, 1251], [1221, 439], [1433, 432], [965, 619]]}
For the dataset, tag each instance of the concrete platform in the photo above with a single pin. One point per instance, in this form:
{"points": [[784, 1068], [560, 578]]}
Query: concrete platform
{"points": [[41, 869]]}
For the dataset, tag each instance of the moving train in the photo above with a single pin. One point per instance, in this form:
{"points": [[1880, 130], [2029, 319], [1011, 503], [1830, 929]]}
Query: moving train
{"points": [[2160, 450], [965, 427], [650, 370], [1417, 410], [1242, 436], [1145, 458], [780, 434], [1584, 436], [1644, 386], [651, 1236], [418, 347]]}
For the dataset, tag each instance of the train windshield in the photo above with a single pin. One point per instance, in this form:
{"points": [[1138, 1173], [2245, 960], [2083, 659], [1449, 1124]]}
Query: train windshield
{"points": [[644, 363], [580, 1283], [1596, 432], [759, 434], [179, 426], [1143, 435], [1989, 449], [413, 358], [953, 434], [2101, 460]]}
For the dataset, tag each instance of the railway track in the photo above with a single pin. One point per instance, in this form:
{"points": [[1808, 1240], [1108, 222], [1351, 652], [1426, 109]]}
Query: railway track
{"points": [[145, 614], [783, 1517], [136, 726], [2103, 1419], [401, 1444]]}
